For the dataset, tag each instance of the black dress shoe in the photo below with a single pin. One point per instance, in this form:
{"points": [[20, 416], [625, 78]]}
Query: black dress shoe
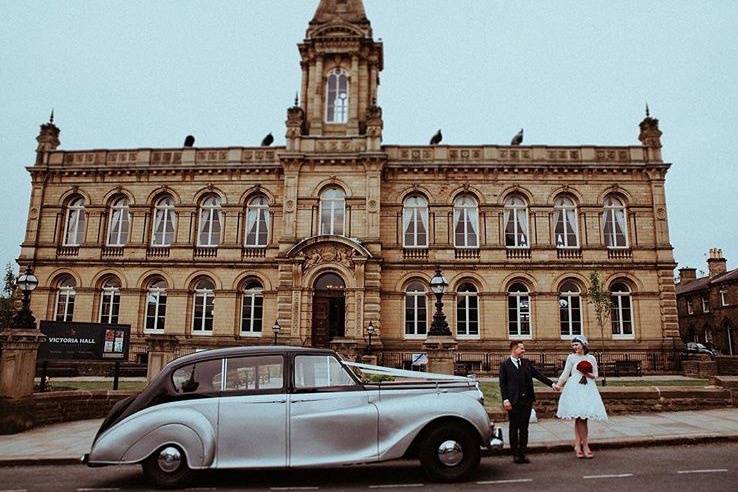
{"points": [[516, 459], [523, 459]]}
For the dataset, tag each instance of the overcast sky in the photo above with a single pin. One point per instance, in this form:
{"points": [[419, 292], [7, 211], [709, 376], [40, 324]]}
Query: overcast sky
{"points": [[128, 74]]}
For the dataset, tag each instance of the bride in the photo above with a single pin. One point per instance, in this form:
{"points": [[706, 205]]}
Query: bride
{"points": [[580, 399]]}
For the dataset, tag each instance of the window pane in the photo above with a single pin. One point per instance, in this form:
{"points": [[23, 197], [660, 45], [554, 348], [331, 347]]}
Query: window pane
{"points": [[320, 371], [199, 378], [254, 373]]}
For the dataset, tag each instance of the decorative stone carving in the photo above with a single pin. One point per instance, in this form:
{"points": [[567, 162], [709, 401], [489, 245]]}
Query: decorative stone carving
{"points": [[334, 253]]}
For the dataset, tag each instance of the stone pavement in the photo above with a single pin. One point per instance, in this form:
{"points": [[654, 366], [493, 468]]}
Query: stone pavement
{"points": [[67, 442]]}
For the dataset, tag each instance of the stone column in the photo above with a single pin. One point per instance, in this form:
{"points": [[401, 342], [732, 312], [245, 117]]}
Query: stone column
{"points": [[161, 352], [18, 361], [440, 350]]}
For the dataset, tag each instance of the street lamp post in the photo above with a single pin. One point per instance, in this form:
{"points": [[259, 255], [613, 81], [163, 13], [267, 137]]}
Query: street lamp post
{"points": [[439, 326], [276, 329], [27, 282], [370, 332]]}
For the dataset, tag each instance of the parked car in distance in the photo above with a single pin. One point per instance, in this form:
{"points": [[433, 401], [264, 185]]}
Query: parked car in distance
{"points": [[691, 348], [288, 407]]}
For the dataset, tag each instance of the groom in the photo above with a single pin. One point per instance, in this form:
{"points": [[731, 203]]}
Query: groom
{"points": [[516, 388]]}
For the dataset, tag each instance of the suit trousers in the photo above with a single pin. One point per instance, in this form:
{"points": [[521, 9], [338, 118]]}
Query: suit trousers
{"points": [[519, 418]]}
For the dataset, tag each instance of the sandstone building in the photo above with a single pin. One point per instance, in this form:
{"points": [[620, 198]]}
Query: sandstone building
{"points": [[708, 306], [337, 230]]}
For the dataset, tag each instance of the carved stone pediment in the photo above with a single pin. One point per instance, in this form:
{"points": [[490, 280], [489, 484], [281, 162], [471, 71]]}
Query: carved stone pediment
{"points": [[335, 250], [335, 254]]}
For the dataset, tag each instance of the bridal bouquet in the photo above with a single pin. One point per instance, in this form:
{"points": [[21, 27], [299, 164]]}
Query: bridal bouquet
{"points": [[585, 367]]}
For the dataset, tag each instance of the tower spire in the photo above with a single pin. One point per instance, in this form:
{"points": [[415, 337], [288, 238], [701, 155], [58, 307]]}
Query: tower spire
{"points": [[351, 11]]}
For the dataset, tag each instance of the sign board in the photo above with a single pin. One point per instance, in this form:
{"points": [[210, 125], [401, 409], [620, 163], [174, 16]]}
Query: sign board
{"points": [[420, 359], [84, 341]]}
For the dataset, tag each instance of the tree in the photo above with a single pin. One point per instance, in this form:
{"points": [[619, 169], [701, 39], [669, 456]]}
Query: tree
{"points": [[8, 297], [601, 300]]}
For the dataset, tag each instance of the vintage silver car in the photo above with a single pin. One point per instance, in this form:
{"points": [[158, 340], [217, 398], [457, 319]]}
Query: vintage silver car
{"points": [[274, 407]]}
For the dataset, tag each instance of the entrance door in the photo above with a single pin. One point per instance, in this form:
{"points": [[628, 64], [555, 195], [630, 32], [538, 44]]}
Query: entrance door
{"points": [[329, 310]]}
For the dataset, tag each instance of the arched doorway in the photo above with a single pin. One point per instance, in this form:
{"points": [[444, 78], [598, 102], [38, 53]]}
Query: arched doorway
{"points": [[329, 309]]}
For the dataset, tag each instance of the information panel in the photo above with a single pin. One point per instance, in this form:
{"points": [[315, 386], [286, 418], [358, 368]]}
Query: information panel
{"points": [[84, 341]]}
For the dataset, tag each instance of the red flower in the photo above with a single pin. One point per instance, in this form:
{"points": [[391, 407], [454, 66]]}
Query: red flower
{"points": [[585, 367]]}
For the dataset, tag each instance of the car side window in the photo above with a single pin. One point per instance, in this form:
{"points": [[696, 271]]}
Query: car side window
{"points": [[198, 378], [320, 371], [255, 373]]}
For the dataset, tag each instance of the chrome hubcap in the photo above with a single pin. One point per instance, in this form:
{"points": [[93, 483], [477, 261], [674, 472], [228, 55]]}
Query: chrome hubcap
{"points": [[450, 453], [169, 459]]}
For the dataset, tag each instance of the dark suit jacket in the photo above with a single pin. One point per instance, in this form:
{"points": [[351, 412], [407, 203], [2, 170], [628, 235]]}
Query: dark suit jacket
{"points": [[517, 384]]}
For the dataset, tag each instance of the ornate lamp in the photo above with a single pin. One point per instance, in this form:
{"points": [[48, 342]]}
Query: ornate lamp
{"points": [[439, 326], [26, 282], [276, 329], [370, 332]]}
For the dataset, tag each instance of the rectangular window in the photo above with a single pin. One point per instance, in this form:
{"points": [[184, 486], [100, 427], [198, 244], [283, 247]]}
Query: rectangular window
{"points": [[321, 371], [264, 373], [705, 305], [202, 320], [724, 297], [690, 308], [467, 315], [252, 313], [109, 307], [415, 315], [156, 311]]}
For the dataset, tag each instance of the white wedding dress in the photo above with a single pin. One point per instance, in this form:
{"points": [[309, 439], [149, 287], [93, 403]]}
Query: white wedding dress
{"points": [[577, 400]]}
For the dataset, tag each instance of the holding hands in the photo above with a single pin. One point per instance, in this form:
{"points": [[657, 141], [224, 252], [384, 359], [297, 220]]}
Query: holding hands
{"points": [[556, 387]]}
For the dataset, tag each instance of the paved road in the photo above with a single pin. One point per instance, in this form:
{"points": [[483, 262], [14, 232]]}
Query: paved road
{"points": [[696, 467]]}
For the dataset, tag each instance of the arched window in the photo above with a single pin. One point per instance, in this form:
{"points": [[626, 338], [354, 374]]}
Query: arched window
{"points": [[570, 310], [466, 222], [415, 222], [332, 211], [165, 221], [614, 225], [566, 230], [210, 222], [156, 306], [110, 301], [257, 222], [516, 222], [416, 322], [337, 97], [467, 311], [518, 310], [202, 315], [252, 307], [622, 311], [65, 299], [74, 226], [119, 222]]}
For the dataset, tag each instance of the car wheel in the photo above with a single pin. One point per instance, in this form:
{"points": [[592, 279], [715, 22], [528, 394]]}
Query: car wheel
{"points": [[167, 468], [449, 453]]}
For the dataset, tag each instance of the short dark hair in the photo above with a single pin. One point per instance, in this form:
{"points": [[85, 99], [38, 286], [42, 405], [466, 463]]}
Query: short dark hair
{"points": [[514, 343]]}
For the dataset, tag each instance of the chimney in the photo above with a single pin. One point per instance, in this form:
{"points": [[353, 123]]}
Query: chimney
{"points": [[686, 275], [716, 263]]}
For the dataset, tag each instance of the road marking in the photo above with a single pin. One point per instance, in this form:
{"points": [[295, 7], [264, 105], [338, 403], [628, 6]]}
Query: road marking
{"points": [[716, 470], [395, 485], [619, 475], [493, 482], [101, 489]]}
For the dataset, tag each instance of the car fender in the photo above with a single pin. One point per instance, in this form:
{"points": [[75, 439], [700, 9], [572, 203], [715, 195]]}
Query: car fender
{"points": [[135, 438], [402, 418]]}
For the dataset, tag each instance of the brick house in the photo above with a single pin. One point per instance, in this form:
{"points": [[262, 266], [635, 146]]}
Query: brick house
{"points": [[337, 230], [708, 306]]}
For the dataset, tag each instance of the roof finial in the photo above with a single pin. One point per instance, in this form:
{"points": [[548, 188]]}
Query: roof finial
{"points": [[648, 113], [297, 101], [51, 118]]}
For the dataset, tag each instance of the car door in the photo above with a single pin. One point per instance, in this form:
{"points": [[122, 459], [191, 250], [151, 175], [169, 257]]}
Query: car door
{"points": [[332, 419], [252, 426]]}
